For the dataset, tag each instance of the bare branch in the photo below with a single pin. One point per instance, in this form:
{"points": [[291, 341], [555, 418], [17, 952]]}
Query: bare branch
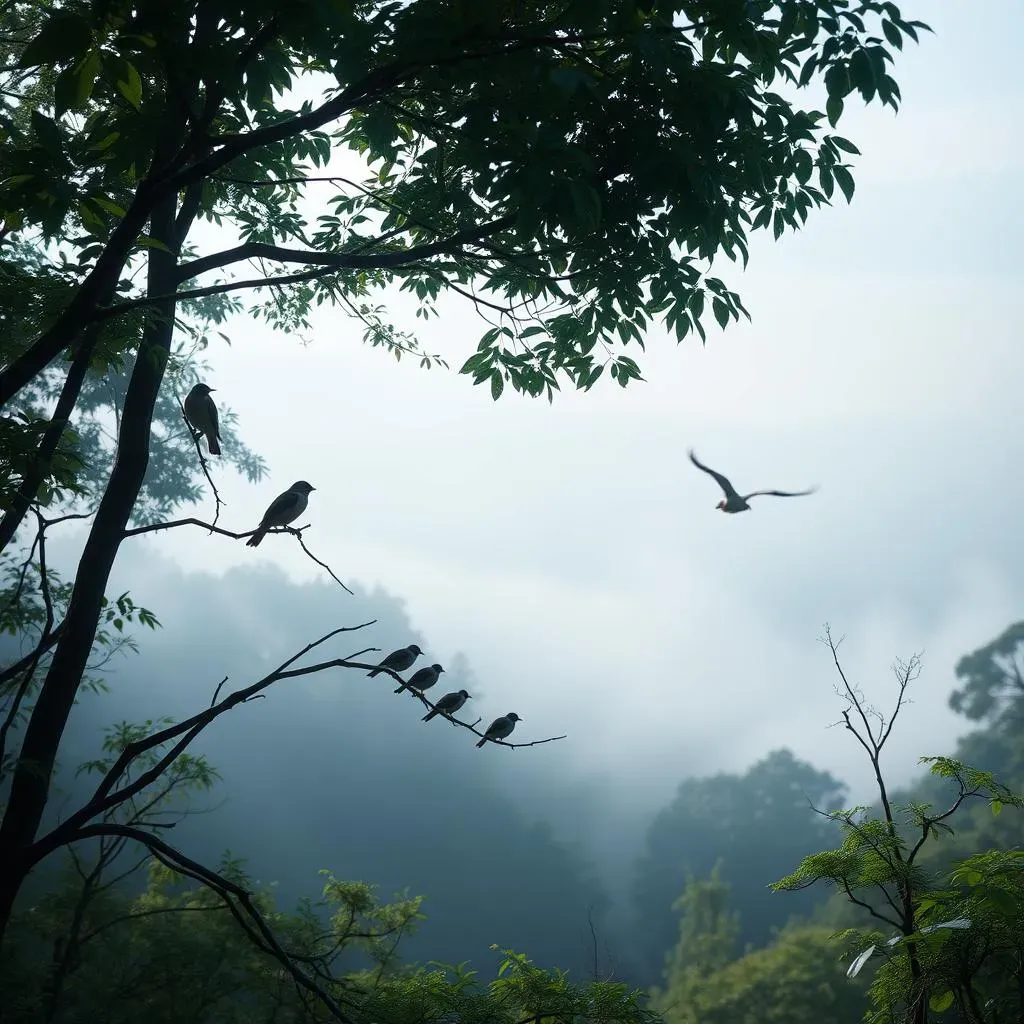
{"points": [[237, 900], [204, 465], [191, 521]]}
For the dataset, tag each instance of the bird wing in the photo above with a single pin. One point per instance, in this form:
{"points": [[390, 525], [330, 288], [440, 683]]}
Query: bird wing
{"points": [[282, 509], [723, 481], [499, 729], [211, 408], [780, 494]]}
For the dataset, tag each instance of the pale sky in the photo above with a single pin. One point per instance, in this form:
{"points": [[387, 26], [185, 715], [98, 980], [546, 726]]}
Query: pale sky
{"points": [[884, 363]]}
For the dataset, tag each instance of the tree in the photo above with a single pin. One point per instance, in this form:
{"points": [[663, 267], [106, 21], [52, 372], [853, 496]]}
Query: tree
{"points": [[755, 825], [879, 866], [992, 680], [581, 164], [788, 981]]}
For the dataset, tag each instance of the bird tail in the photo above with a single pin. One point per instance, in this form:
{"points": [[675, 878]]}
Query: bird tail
{"points": [[429, 715], [214, 444], [254, 540], [373, 673], [482, 742], [400, 688]]}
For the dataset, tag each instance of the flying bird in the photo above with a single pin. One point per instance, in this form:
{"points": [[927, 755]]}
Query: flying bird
{"points": [[398, 661], [733, 500], [447, 705], [201, 414], [422, 680], [284, 509], [500, 728]]}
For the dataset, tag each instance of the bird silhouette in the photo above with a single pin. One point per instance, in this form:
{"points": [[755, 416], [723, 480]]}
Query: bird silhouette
{"points": [[284, 509], [422, 680], [447, 705], [398, 661], [202, 417], [500, 728], [733, 500]]}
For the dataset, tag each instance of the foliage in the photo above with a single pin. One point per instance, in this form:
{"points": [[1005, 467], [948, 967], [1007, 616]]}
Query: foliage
{"points": [[992, 679], [788, 981], [32, 292], [580, 163], [756, 823], [175, 950], [878, 868]]}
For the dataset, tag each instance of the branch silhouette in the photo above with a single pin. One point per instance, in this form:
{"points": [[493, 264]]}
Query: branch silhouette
{"points": [[237, 900], [213, 528], [203, 463]]}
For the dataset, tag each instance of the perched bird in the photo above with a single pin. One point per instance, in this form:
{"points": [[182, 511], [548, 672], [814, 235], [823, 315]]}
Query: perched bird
{"points": [[422, 680], [500, 728], [201, 414], [733, 500], [398, 661], [447, 705], [284, 509]]}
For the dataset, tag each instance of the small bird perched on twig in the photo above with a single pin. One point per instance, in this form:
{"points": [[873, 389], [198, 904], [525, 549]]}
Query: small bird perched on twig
{"points": [[736, 502], [500, 728], [284, 509], [202, 417], [447, 705], [422, 680], [398, 661]]}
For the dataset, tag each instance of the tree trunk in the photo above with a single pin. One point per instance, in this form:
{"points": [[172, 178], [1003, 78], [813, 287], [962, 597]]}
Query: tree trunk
{"points": [[32, 775]]}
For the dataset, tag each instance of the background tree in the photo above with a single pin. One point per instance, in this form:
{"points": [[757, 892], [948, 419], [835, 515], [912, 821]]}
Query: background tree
{"points": [[581, 164], [992, 679], [879, 865], [755, 825]]}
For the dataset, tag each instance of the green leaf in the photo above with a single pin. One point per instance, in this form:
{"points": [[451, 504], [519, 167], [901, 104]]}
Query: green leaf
{"points": [[106, 204], [130, 85], [844, 179], [721, 311], [997, 808], [892, 33], [497, 384], [834, 109], [47, 132], [152, 243], [803, 165], [74, 84], [941, 1003], [64, 37], [845, 145]]}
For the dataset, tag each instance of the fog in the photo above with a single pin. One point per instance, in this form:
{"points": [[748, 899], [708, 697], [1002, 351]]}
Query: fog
{"points": [[571, 561]]}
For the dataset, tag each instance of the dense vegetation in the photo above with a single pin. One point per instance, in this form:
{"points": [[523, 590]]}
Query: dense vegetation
{"points": [[582, 164]]}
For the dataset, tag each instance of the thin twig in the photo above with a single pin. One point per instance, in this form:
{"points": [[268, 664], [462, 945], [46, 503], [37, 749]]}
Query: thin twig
{"points": [[202, 462], [192, 521]]}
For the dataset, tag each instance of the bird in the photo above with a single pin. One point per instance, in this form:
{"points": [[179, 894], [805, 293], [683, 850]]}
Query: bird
{"points": [[398, 661], [733, 500], [201, 414], [500, 728], [447, 705], [284, 509], [422, 680]]}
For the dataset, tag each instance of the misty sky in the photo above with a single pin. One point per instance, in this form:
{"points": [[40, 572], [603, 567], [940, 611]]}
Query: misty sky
{"points": [[883, 363]]}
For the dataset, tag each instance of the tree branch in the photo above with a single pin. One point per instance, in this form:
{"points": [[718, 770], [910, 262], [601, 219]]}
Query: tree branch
{"points": [[191, 521], [344, 260], [237, 900]]}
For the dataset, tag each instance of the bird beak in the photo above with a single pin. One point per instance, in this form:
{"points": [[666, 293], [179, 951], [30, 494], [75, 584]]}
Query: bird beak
{"points": [[212, 389]]}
